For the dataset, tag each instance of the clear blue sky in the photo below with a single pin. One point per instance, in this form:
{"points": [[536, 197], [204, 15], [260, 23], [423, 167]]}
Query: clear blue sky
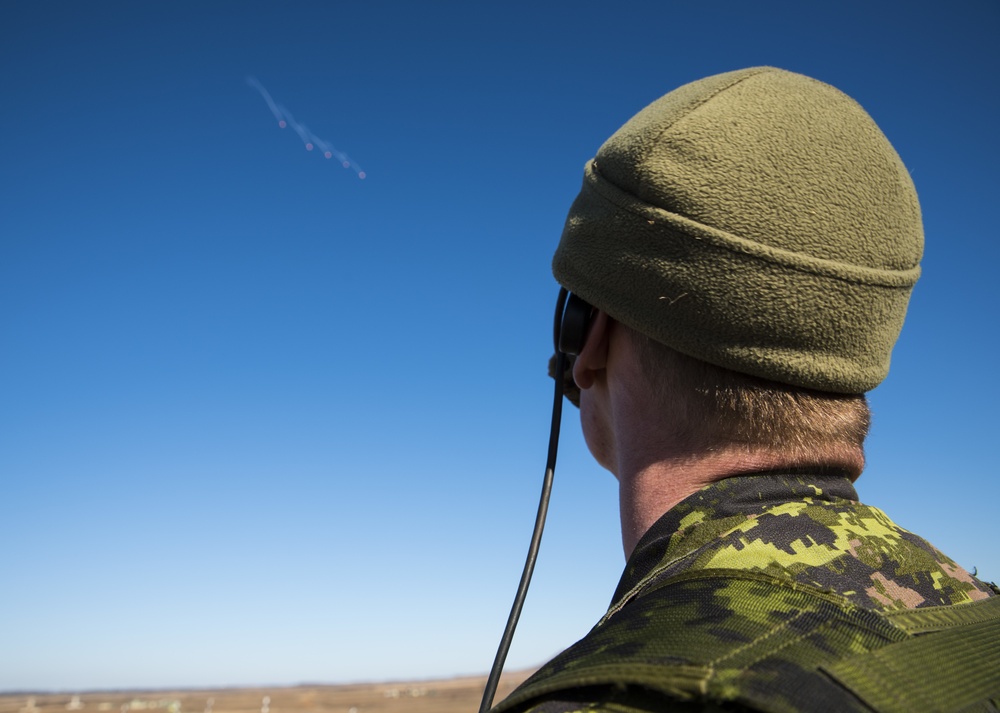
{"points": [[262, 421]]}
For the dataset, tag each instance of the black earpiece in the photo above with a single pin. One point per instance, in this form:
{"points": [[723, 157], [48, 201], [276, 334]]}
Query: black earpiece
{"points": [[572, 323]]}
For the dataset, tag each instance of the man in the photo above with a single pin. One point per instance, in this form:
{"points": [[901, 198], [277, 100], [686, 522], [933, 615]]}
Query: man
{"points": [[748, 244]]}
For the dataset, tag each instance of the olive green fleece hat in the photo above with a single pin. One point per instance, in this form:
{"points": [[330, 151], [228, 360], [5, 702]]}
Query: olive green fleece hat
{"points": [[758, 220]]}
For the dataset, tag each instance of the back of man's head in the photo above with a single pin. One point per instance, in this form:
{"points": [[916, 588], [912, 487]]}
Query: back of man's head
{"points": [[758, 221], [712, 409]]}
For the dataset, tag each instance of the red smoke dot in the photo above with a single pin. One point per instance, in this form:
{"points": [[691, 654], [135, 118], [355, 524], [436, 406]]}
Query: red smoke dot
{"points": [[282, 124], [309, 147], [347, 164], [361, 175], [328, 154]]}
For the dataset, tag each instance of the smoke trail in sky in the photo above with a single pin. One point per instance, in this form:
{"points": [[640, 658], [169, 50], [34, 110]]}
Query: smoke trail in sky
{"points": [[309, 139], [329, 152], [267, 97], [300, 129]]}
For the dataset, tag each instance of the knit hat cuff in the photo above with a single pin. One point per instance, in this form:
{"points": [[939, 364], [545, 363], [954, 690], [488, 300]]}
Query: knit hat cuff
{"points": [[696, 231], [733, 302]]}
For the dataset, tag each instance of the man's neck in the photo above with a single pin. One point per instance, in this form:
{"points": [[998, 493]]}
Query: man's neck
{"points": [[649, 488]]}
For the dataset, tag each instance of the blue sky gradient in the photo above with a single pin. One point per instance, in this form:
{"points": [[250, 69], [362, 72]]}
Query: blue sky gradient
{"points": [[265, 422]]}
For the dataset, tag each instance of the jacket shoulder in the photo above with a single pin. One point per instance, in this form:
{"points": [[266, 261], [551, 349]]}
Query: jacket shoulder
{"points": [[732, 641]]}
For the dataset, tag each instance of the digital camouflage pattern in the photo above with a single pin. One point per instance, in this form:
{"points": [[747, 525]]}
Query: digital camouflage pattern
{"points": [[768, 592], [810, 529]]}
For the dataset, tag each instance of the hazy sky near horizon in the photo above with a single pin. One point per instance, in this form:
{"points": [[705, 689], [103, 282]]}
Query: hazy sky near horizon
{"points": [[265, 421]]}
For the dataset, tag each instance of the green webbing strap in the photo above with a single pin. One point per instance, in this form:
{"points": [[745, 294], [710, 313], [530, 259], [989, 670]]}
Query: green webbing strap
{"points": [[922, 621], [952, 663]]}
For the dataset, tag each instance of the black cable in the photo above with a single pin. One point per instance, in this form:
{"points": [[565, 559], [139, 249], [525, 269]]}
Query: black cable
{"points": [[536, 538]]}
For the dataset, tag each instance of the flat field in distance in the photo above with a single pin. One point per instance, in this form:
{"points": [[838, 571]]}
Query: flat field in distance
{"points": [[456, 695]]}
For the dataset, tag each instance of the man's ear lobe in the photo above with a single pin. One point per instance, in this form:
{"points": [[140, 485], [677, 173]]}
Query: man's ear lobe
{"points": [[594, 356]]}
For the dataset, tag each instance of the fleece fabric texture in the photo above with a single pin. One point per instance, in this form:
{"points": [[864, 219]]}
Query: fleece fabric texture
{"points": [[758, 220]]}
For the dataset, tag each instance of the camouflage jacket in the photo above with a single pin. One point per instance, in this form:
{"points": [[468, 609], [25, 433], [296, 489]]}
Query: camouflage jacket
{"points": [[761, 592]]}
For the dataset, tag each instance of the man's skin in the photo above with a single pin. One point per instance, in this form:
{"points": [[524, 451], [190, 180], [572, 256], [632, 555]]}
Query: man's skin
{"points": [[632, 434]]}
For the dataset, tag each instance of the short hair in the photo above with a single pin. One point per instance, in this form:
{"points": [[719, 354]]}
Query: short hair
{"points": [[723, 408]]}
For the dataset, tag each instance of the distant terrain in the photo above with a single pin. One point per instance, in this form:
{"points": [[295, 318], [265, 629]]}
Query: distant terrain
{"points": [[453, 695]]}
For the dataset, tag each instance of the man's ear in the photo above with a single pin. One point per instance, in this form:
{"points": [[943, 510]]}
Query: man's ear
{"points": [[594, 357]]}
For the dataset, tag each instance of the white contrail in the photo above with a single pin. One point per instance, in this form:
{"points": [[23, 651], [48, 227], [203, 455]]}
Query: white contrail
{"points": [[309, 139], [252, 81], [300, 129]]}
